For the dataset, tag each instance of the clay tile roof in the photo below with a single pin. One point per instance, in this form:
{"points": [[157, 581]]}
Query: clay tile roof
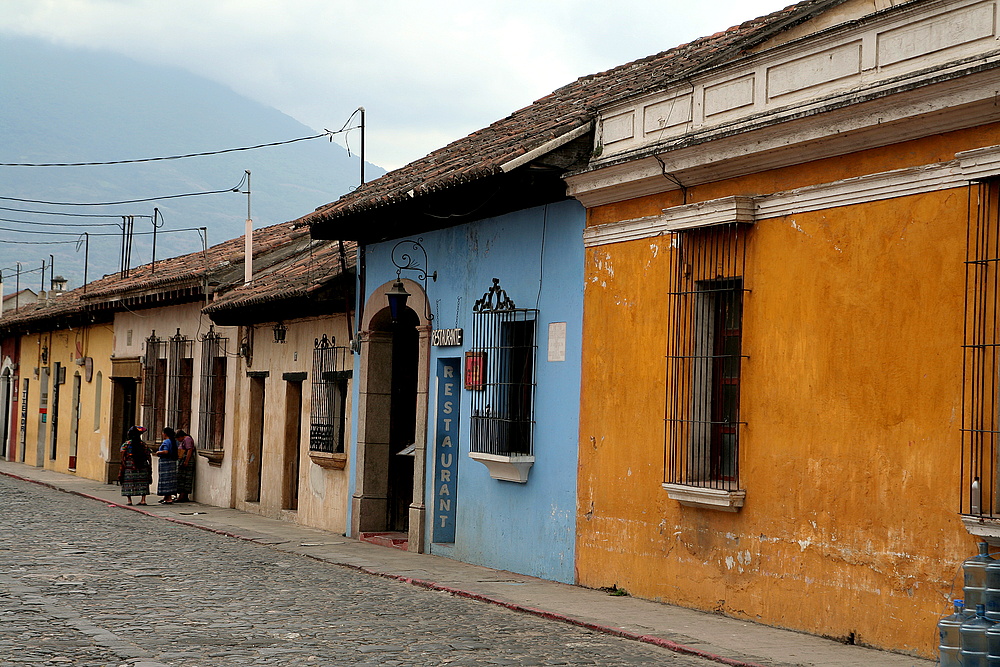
{"points": [[59, 307], [190, 270], [221, 263], [299, 276], [485, 152]]}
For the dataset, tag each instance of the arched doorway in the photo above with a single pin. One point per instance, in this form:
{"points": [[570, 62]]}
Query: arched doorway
{"points": [[392, 406]]}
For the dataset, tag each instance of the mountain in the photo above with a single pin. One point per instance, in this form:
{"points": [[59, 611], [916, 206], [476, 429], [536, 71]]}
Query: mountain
{"points": [[60, 104]]}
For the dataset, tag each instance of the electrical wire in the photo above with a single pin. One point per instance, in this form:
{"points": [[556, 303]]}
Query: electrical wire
{"points": [[325, 133], [36, 242], [128, 201], [13, 269], [72, 215], [77, 234], [62, 224]]}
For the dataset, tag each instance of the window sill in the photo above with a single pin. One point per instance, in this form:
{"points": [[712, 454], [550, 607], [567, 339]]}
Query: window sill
{"points": [[214, 456], [699, 496], [986, 528], [329, 460], [505, 468]]}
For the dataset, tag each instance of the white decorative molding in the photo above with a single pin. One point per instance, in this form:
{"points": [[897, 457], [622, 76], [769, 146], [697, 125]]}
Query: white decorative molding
{"points": [[908, 45], [729, 95], [702, 214], [619, 127], [759, 144], [863, 189], [699, 496], [667, 113], [968, 166], [980, 162], [814, 69], [938, 33], [505, 468]]}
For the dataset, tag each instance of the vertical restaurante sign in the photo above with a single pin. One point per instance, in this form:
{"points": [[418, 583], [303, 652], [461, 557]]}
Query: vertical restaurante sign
{"points": [[446, 449]]}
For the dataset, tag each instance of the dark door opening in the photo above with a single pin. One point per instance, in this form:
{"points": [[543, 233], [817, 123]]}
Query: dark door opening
{"points": [[293, 443], [255, 444], [402, 420], [123, 402]]}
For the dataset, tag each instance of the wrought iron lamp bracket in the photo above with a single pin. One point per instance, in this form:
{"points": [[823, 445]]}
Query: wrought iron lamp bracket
{"points": [[405, 257]]}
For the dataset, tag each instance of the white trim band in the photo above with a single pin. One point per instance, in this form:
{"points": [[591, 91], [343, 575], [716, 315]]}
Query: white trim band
{"points": [[968, 166]]}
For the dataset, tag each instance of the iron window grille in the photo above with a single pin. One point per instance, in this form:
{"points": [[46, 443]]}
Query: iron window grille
{"points": [[328, 409], [503, 345], [154, 385], [704, 357], [981, 352], [212, 413], [180, 358]]}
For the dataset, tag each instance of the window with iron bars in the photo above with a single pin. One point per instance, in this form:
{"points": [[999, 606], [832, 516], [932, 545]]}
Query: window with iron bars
{"points": [[704, 356], [503, 351], [154, 386], [328, 409], [180, 358], [981, 350], [212, 413]]}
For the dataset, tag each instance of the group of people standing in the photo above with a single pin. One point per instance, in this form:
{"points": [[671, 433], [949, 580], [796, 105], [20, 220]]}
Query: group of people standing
{"points": [[176, 465]]}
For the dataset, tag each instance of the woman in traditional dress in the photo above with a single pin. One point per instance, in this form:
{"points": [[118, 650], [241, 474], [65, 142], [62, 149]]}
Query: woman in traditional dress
{"points": [[136, 469], [185, 466], [166, 485]]}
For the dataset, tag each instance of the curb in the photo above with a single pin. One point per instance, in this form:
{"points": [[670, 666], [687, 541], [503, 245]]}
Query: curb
{"points": [[430, 585]]}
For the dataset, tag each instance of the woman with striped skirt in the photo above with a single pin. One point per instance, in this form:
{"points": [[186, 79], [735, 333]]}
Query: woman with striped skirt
{"points": [[166, 485], [136, 470]]}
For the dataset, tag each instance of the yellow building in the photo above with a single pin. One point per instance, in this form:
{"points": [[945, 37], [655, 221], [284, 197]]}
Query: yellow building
{"points": [[789, 321], [64, 388]]}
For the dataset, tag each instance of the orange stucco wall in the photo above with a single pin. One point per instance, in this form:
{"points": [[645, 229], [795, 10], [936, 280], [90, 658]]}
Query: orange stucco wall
{"points": [[852, 400]]}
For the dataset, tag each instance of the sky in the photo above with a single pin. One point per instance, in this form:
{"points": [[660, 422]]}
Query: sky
{"points": [[427, 72]]}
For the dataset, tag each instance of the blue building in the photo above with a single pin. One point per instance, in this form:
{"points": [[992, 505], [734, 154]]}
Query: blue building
{"points": [[467, 365]]}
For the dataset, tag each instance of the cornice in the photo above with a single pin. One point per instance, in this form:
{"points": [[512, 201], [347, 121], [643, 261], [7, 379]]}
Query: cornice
{"points": [[967, 166]]}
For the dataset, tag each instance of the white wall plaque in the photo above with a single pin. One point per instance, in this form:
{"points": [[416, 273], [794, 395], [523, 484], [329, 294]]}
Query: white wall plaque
{"points": [[557, 341]]}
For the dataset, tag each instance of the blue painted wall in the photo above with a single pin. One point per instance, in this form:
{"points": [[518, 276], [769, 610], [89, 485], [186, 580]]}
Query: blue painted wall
{"points": [[537, 254]]}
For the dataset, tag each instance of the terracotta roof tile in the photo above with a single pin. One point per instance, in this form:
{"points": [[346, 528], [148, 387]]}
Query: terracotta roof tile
{"points": [[482, 153], [298, 276]]}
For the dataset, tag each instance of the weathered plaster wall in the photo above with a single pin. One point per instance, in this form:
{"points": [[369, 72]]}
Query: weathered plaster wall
{"points": [[852, 398], [537, 255], [96, 438], [213, 484], [322, 493], [65, 346]]}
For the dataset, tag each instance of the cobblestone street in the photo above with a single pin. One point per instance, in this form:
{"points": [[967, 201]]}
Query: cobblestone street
{"points": [[84, 583]]}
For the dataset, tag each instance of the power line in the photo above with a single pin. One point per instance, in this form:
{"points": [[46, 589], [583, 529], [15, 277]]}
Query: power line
{"points": [[326, 133], [35, 242], [62, 224], [128, 201], [72, 215], [77, 234]]}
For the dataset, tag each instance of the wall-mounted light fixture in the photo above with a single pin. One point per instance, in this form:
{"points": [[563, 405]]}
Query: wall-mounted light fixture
{"points": [[279, 332], [45, 354], [397, 297], [405, 258]]}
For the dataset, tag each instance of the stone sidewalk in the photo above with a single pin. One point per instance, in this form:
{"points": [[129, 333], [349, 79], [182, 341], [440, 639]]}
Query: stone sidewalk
{"points": [[723, 640]]}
